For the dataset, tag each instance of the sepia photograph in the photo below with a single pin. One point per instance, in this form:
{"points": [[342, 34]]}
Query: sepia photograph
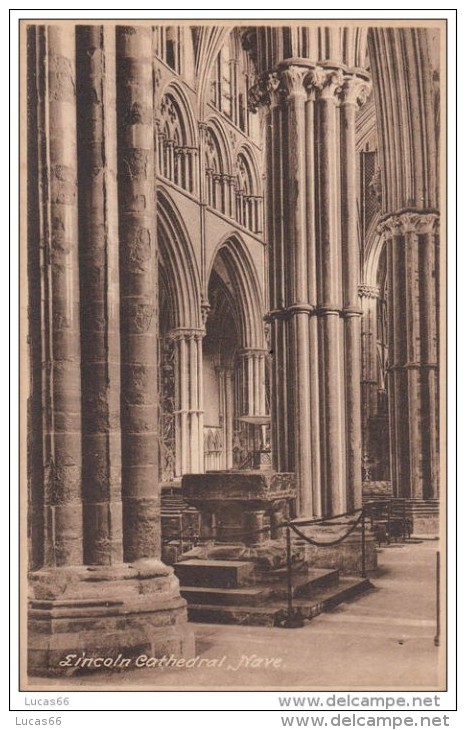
{"points": [[233, 347]]}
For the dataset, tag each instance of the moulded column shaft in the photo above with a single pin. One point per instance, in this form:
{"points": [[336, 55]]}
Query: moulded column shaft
{"points": [[332, 386], [352, 321], [100, 320], [138, 289], [63, 542]]}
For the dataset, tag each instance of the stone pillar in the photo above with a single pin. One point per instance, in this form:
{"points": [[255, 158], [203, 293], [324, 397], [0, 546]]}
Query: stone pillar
{"points": [[328, 83], [100, 316], [369, 372], [61, 355], [354, 91], [138, 285], [251, 382], [314, 275], [137, 602], [189, 414], [412, 263]]}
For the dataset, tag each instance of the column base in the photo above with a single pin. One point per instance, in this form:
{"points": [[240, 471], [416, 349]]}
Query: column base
{"points": [[87, 618], [346, 557], [424, 516]]}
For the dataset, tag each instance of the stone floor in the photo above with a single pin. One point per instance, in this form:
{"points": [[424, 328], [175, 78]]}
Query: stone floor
{"points": [[382, 640]]}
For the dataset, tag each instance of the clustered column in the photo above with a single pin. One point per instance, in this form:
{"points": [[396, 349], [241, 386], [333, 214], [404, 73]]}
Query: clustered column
{"points": [[314, 276], [189, 416], [138, 293], [369, 296], [250, 382], [412, 262]]}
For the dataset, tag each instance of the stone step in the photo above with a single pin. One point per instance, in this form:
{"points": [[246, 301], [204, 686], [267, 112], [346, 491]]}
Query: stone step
{"points": [[215, 573], [303, 584], [274, 610], [246, 596]]}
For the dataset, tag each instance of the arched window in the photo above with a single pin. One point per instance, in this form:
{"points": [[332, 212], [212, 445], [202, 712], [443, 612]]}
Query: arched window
{"points": [[232, 77], [220, 185], [248, 200], [176, 155], [169, 46]]}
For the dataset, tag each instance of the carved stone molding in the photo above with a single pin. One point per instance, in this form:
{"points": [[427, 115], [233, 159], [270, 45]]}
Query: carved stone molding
{"points": [[325, 83], [369, 292], [355, 90], [292, 81], [418, 222], [186, 333]]}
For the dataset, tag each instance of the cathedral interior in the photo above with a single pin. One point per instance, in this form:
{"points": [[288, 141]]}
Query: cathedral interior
{"points": [[233, 259]]}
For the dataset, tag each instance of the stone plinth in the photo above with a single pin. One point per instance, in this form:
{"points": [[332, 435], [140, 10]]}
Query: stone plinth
{"points": [[240, 506], [122, 611]]}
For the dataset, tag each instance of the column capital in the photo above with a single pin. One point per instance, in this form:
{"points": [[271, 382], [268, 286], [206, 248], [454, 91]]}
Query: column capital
{"points": [[292, 81], [368, 292], [356, 89], [410, 221], [325, 82], [266, 92], [186, 333]]}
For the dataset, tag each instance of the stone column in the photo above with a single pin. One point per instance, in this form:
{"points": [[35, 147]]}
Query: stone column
{"points": [[138, 287], [189, 420], [314, 274], [412, 263], [369, 373], [251, 382], [328, 83], [61, 354], [299, 309], [100, 316], [137, 602], [354, 92]]}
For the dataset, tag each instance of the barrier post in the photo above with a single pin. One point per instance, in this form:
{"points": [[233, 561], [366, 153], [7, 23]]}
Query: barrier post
{"points": [[293, 620], [389, 521], [404, 519], [437, 580], [363, 543]]}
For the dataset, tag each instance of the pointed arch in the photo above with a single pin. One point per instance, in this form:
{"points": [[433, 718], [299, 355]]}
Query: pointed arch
{"points": [[247, 159], [175, 91], [177, 138], [234, 257], [178, 268], [217, 131]]}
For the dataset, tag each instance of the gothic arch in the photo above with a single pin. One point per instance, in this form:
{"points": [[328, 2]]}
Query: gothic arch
{"points": [[219, 136], [209, 43], [233, 254], [246, 156], [375, 243], [186, 115], [178, 266]]}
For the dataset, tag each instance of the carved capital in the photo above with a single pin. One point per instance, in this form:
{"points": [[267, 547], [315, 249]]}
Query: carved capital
{"points": [[266, 92], [292, 81], [325, 83], [369, 292], [355, 90], [418, 222]]}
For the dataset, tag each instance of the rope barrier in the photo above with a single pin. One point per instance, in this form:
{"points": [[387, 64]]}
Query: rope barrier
{"points": [[329, 543]]}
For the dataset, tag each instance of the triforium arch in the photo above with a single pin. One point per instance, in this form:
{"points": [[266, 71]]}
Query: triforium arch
{"points": [[181, 334], [235, 357], [248, 190], [177, 147], [218, 166]]}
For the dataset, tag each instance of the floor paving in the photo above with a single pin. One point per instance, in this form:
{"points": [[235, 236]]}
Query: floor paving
{"points": [[382, 640]]}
